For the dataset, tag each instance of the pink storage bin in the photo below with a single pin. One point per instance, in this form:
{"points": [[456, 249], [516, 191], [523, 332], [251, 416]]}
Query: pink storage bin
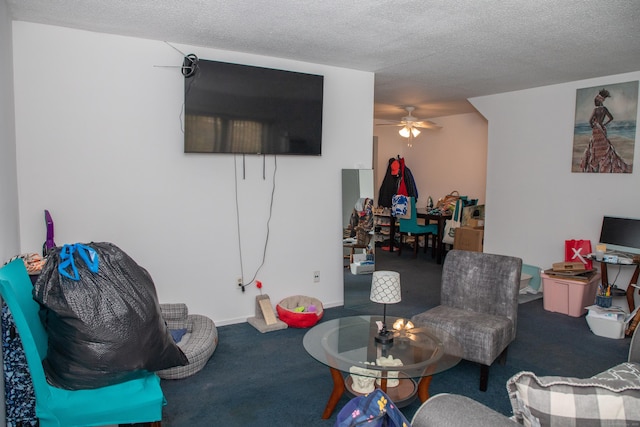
{"points": [[568, 296]]}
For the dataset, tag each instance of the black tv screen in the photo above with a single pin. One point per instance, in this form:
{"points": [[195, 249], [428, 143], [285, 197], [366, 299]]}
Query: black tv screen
{"points": [[621, 234], [234, 108]]}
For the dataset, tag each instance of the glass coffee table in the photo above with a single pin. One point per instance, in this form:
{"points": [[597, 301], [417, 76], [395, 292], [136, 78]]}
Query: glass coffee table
{"points": [[348, 344]]}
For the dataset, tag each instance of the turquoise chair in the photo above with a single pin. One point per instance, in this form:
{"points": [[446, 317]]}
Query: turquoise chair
{"points": [[410, 227], [136, 401]]}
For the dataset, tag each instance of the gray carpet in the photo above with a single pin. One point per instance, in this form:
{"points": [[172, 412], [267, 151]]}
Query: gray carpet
{"points": [[524, 298], [256, 379]]}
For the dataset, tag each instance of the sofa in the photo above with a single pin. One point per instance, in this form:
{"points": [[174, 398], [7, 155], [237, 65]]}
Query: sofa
{"points": [[195, 334], [610, 398]]}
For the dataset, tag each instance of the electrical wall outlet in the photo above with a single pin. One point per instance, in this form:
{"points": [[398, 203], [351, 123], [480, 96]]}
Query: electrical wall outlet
{"points": [[239, 281], [316, 276]]}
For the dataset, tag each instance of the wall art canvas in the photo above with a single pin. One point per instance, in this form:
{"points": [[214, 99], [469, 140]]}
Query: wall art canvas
{"points": [[604, 131]]}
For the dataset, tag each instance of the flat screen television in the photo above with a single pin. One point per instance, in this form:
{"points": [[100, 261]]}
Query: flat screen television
{"points": [[243, 109], [621, 234]]}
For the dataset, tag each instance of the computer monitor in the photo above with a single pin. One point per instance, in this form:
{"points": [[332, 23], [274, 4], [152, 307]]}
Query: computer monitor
{"points": [[621, 234]]}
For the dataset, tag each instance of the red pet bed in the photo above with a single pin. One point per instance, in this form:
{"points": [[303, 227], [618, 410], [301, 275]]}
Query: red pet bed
{"points": [[295, 319]]}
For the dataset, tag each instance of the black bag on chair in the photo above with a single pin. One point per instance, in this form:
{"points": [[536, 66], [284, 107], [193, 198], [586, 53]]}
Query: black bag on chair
{"points": [[102, 316]]}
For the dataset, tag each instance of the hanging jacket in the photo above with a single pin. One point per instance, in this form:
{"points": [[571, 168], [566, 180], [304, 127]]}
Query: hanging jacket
{"points": [[410, 183], [389, 184], [397, 180]]}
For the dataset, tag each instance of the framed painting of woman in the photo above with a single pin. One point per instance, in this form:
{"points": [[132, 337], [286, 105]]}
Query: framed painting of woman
{"points": [[605, 128]]}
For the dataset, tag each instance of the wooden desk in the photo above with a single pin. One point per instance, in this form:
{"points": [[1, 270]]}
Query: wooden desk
{"points": [[440, 219], [630, 290]]}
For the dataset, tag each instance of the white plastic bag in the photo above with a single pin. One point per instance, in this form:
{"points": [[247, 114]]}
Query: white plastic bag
{"points": [[452, 224]]}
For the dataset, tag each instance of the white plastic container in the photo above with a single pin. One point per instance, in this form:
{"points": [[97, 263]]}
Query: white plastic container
{"points": [[608, 328], [360, 265], [524, 280], [357, 268]]}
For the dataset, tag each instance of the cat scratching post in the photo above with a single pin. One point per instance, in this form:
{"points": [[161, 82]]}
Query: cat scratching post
{"points": [[265, 319]]}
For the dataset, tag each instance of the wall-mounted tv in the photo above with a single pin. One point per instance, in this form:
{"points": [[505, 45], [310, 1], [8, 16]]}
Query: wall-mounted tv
{"points": [[242, 109]]}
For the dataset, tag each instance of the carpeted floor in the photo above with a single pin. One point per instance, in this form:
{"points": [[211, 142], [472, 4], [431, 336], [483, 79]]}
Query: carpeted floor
{"points": [[256, 379]]}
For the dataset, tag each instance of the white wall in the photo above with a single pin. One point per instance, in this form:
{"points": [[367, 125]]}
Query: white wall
{"points": [[9, 233], [100, 146], [534, 202], [441, 161]]}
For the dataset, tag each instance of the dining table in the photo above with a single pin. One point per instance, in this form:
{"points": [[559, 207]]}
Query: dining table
{"points": [[428, 215], [432, 215]]}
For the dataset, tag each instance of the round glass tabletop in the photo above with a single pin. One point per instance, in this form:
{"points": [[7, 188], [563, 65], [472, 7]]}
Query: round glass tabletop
{"points": [[350, 342]]}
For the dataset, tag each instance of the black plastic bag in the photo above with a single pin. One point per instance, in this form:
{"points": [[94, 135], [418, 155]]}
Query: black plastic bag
{"points": [[102, 316]]}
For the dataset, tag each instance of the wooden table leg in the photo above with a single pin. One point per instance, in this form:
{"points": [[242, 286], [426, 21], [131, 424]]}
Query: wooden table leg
{"points": [[631, 289], [633, 324], [604, 276], [392, 233], [439, 244], [383, 382], [423, 388], [336, 394]]}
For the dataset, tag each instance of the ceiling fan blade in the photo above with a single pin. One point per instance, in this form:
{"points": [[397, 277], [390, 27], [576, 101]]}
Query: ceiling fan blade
{"points": [[426, 124], [387, 122], [409, 121]]}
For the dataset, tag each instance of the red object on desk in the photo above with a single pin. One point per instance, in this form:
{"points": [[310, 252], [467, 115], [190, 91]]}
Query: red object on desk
{"points": [[578, 251]]}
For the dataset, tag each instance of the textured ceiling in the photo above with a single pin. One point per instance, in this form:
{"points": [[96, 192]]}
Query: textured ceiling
{"points": [[433, 54]]}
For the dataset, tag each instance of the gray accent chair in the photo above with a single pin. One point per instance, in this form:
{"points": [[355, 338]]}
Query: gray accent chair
{"points": [[452, 410], [198, 343], [479, 306]]}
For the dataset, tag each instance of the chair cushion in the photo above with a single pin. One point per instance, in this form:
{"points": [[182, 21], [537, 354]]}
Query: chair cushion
{"points": [[482, 282], [482, 336], [610, 398], [174, 312]]}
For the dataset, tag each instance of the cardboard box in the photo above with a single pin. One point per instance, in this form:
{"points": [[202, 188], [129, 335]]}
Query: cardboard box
{"points": [[468, 239], [568, 296], [474, 223], [568, 266]]}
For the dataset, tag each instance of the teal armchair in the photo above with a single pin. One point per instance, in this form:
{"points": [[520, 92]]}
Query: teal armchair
{"points": [[135, 401]]}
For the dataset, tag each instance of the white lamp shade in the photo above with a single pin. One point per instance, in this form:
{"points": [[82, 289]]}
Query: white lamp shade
{"points": [[406, 131], [385, 287]]}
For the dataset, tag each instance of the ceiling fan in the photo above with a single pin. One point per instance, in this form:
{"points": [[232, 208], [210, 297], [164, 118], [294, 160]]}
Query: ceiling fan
{"points": [[410, 125]]}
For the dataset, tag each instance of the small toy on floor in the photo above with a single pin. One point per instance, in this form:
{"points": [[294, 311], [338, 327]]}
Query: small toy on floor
{"points": [[302, 309]]}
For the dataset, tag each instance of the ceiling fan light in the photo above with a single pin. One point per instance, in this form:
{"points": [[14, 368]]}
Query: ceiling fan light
{"points": [[415, 132], [404, 132]]}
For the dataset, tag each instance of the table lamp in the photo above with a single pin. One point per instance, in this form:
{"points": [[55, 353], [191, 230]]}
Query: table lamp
{"points": [[385, 289]]}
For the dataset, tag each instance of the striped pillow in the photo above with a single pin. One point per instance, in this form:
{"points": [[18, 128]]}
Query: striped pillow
{"points": [[611, 398]]}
